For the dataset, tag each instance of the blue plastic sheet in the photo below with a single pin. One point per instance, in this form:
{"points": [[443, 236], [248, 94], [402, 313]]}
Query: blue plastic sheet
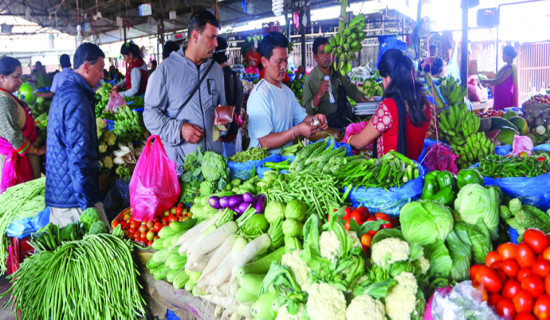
{"points": [[388, 201], [245, 170], [503, 150], [24, 227], [542, 147], [427, 142], [513, 235]]}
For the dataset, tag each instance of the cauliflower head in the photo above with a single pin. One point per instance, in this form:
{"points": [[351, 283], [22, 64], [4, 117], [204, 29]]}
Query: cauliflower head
{"points": [[401, 299], [424, 264], [102, 148], [298, 267], [325, 302], [330, 245], [109, 138], [283, 314], [365, 307], [108, 162], [390, 250], [355, 239]]}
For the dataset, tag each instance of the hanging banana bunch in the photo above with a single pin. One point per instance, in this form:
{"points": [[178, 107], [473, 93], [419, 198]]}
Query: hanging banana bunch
{"points": [[346, 43]]}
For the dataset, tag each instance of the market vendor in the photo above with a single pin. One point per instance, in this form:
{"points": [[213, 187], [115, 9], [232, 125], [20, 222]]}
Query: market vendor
{"points": [[136, 74], [506, 82], [402, 119], [72, 161], [185, 90], [433, 64], [18, 154], [252, 58], [329, 97], [275, 116]]}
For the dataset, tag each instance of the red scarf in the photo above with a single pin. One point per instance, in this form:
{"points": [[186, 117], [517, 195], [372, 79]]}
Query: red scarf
{"points": [[17, 167], [142, 85]]}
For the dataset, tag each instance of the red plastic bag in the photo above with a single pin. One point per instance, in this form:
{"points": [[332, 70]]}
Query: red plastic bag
{"points": [[154, 186], [115, 102]]}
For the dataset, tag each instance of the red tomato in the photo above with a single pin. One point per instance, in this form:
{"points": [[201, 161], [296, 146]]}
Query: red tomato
{"points": [[157, 226], [383, 216], [536, 239], [143, 235], [131, 231], [357, 216], [541, 268], [541, 309], [134, 225], [526, 255], [523, 272], [172, 218], [173, 210], [364, 213], [179, 211], [511, 287], [366, 240], [150, 235], [180, 205], [492, 257], [494, 298], [473, 271], [142, 228], [347, 212], [510, 268], [524, 316], [547, 283], [523, 302], [137, 236], [165, 219], [546, 254], [533, 284], [508, 251], [115, 223], [124, 225], [149, 243], [505, 308], [347, 225], [488, 278]]}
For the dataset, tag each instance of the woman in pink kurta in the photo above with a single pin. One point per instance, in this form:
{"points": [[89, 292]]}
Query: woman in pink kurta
{"points": [[505, 82]]}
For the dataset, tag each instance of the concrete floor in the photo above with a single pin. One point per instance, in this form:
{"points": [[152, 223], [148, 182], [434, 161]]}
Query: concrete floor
{"points": [[5, 314]]}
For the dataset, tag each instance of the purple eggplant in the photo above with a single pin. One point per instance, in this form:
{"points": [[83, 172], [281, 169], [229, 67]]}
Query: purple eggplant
{"points": [[235, 200], [214, 202], [260, 204], [224, 202], [247, 197], [237, 209], [243, 206]]}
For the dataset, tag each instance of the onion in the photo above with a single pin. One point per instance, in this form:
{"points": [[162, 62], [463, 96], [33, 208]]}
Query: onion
{"points": [[224, 202], [214, 202]]}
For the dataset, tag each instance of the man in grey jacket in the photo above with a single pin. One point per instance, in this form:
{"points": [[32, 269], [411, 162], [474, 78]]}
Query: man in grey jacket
{"points": [[181, 116]]}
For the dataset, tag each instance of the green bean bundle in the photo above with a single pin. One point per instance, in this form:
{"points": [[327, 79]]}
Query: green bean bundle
{"points": [[93, 278], [24, 200], [250, 154]]}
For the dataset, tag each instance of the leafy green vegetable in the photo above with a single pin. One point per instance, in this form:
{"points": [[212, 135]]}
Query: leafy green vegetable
{"points": [[88, 217], [476, 202], [479, 237], [280, 279], [460, 252], [440, 259], [255, 226], [425, 222]]}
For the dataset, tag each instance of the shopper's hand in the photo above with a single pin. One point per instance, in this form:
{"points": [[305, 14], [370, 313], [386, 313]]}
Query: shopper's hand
{"points": [[306, 129], [323, 88], [40, 151], [322, 121], [364, 99], [191, 133]]}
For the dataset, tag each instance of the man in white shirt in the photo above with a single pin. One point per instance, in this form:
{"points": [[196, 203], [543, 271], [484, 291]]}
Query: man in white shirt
{"points": [[276, 118]]}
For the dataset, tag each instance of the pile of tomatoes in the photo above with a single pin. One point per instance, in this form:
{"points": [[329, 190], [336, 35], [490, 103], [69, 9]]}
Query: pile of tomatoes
{"points": [[515, 279], [145, 232]]}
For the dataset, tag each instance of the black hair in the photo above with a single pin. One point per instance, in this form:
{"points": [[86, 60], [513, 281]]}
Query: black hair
{"points": [[433, 46], [510, 51], [154, 63], [38, 64], [271, 41], [169, 47], [130, 47], [400, 68], [319, 42], [198, 21], [220, 55], [8, 65], [87, 52], [65, 61]]}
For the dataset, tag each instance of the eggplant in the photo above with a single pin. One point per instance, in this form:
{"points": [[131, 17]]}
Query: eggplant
{"points": [[247, 197], [214, 202], [235, 200], [260, 204], [237, 210], [224, 202], [243, 206]]}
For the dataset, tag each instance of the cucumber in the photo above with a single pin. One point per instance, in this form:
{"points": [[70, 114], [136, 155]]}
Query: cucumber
{"points": [[172, 257], [251, 283], [176, 262], [262, 265], [161, 272], [153, 265], [242, 296], [158, 244], [160, 256], [171, 275], [182, 226], [180, 280], [165, 232]]}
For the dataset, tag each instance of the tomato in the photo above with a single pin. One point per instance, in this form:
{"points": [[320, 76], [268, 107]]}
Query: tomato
{"points": [[523, 302], [508, 251], [180, 218], [510, 268], [149, 243], [524, 316], [366, 240], [536, 239], [166, 213], [488, 278], [546, 254], [180, 205], [143, 235], [541, 268], [137, 236], [492, 257], [179, 211], [134, 225], [497, 267], [173, 210], [150, 235], [523, 272], [505, 308], [533, 284], [131, 231], [494, 298], [526, 255], [473, 271], [364, 213], [142, 228], [357, 216], [541, 309], [511, 287], [347, 213], [124, 224], [157, 226], [127, 216], [165, 219], [172, 218], [383, 216], [114, 224], [150, 224]]}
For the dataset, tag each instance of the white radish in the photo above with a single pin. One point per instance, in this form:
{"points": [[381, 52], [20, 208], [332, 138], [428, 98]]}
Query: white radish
{"points": [[212, 240], [250, 251], [190, 242], [223, 271], [196, 230], [218, 256], [198, 265]]}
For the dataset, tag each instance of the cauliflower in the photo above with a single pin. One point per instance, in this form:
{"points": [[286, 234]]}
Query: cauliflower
{"points": [[365, 307], [325, 302], [355, 239], [330, 245], [401, 299], [102, 148], [298, 267], [109, 138], [424, 264], [100, 124], [108, 162], [390, 250], [283, 314]]}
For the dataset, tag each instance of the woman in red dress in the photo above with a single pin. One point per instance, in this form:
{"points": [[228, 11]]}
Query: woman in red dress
{"points": [[402, 119]]}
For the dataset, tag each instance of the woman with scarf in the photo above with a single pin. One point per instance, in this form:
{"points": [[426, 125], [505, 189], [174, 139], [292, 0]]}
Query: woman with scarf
{"points": [[18, 155], [402, 119], [136, 72]]}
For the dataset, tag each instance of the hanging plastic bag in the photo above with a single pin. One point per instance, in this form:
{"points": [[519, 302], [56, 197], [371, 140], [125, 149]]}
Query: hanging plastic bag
{"points": [[439, 157], [522, 144], [154, 186], [115, 102]]}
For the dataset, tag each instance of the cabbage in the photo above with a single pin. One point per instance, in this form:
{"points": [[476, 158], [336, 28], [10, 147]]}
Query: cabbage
{"points": [[460, 252], [425, 222], [440, 259], [255, 226], [476, 202], [480, 239]]}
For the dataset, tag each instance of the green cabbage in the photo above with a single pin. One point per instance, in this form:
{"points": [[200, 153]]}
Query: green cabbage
{"points": [[255, 226], [459, 247], [480, 239], [425, 222], [476, 202], [440, 259]]}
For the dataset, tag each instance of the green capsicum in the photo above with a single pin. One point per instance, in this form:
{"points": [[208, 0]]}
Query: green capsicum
{"points": [[445, 196], [439, 186], [446, 179], [468, 176], [430, 186]]}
